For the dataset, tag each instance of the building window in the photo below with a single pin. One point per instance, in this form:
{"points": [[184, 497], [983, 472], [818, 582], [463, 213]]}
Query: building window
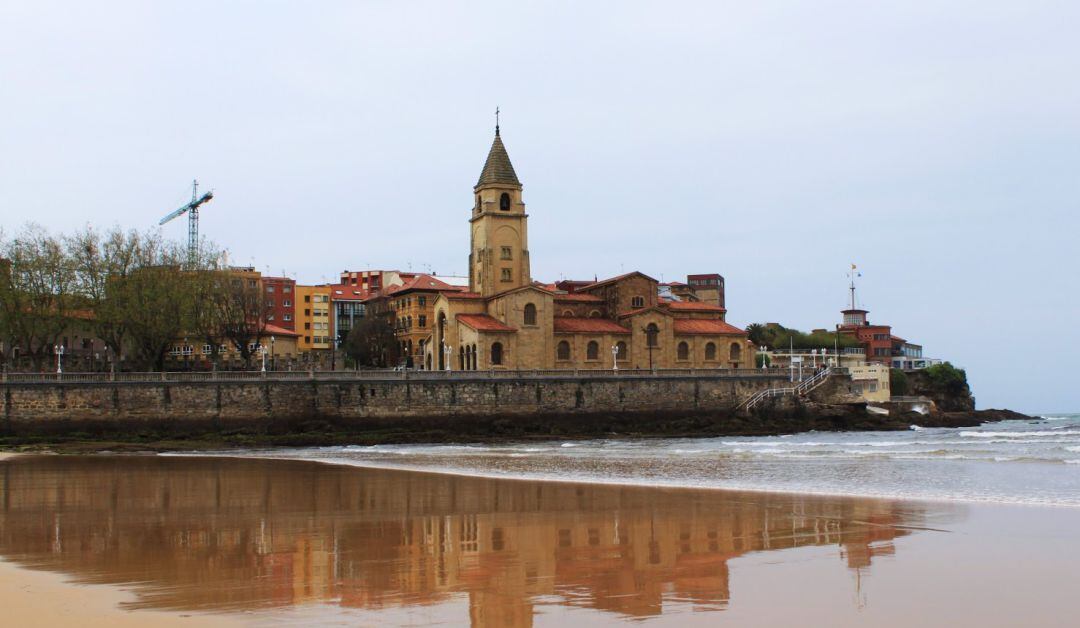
{"points": [[269, 317], [562, 352], [307, 325], [736, 352], [288, 317], [421, 301], [506, 275], [710, 351], [637, 302], [621, 351], [505, 253], [496, 353], [287, 289], [421, 320], [286, 303], [307, 338], [652, 333], [683, 351], [504, 202], [269, 288], [594, 314], [307, 298], [530, 314], [592, 351]]}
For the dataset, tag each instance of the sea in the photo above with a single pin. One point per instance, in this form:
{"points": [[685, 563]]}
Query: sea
{"points": [[1035, 462]]}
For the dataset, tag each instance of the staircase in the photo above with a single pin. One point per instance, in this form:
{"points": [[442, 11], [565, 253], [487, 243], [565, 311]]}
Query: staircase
{"points": [[802, 389]]}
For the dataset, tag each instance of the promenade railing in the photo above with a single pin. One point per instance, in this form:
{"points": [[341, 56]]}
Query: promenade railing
{"points": [[384, 374]]}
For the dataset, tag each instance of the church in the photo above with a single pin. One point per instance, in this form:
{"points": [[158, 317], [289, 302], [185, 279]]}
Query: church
{"points": [[505, 320]]}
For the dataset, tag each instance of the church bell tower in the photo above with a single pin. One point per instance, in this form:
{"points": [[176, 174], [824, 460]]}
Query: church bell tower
{"points": [[499, 252]]}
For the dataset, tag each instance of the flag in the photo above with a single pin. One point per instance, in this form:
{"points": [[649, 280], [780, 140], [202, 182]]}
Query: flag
{"points": [[853, 267]]}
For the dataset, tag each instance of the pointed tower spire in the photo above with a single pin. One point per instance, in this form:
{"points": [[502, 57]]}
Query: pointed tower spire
{"points": [[497, 169]]}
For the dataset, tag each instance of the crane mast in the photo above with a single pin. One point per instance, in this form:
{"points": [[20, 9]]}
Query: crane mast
{"points": [[192, 210]]}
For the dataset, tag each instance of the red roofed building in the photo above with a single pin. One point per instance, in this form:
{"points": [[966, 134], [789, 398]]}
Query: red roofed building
{"points": [[505, 320]]}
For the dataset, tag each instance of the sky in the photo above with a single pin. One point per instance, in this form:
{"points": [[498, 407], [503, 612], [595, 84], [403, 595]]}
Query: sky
{"points": [[933, 144]]}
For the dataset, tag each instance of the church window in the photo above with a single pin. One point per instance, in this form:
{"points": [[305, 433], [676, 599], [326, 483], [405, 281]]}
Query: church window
{"points": [[684, 351], [504, 202], [594, 314], [567, 313], [637, 302], [530, 314], [496, 353], [422, 320], [505, 253], [622, 354], [651, 335], [562, 352], [592, 351], [710, 351], [736, 352], [506, 275]]}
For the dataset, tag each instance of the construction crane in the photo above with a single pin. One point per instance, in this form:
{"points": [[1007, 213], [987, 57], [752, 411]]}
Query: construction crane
{"points": [[192, 210]]}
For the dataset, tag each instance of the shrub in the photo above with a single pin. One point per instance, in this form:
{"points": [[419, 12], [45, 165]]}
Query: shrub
{"points": [[898, 382]]}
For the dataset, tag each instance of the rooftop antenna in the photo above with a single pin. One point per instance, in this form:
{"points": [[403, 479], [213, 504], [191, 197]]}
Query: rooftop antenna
{"points": [[852, 275], [192, 210]]}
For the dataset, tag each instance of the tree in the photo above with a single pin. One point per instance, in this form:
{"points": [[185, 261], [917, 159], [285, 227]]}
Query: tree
{"points": [[898, 382], [947, 378], [241, 311], [372, 343], [36, 294]]}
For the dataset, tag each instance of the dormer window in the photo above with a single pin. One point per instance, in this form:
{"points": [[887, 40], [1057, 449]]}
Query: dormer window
{"points": [[504, 202], [637, 302]]}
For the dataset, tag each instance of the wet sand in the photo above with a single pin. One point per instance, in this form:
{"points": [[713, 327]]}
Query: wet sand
{"points": [[139, 540]]}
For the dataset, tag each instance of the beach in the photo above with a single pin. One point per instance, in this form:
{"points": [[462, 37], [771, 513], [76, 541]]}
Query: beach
{"points": [[196, 540]]}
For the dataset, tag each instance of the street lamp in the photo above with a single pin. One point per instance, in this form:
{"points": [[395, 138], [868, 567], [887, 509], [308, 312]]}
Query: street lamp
{"points": [[446, 354], [614, 357], [764, 357], [59, 350], [262, 352], [273, 356]]}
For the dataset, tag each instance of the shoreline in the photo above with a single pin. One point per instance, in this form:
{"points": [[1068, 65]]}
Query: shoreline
{"points": [[796, 419], [628, 483]]}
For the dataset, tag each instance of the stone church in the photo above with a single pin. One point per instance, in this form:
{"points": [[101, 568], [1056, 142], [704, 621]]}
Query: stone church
{"points": [[507, 321]]}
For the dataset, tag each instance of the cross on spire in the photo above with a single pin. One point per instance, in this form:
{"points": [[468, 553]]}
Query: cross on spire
{"points": [[496, 120]]}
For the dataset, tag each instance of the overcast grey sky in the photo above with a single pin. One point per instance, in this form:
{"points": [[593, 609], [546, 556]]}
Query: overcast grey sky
{"points": [[935, 144]]}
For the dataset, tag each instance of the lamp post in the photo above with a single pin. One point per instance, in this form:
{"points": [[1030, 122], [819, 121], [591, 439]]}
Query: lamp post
{"points": [[273, 356], [262, 352], [615, 357], [59, 350], [764, 357], [446, 354]]}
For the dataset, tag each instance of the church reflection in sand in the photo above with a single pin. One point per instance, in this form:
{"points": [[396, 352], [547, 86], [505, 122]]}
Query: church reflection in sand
{"points": [[219, 534]]}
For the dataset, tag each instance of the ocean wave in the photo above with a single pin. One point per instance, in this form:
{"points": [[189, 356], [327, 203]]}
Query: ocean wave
{"points": [[1073, 449], [1019, 434]]}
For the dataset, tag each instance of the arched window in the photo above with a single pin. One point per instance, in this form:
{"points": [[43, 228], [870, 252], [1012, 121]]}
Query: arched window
{"points": [[592, 351], [474, 358], [469, 357], [652, 333], [461, 356], [621, 346], [637, 302], [567, 313], [496, 353], [684, 351], [504, 202], [594, 314], [562, 352], [710, 351], [530, 314], [736, 352]]}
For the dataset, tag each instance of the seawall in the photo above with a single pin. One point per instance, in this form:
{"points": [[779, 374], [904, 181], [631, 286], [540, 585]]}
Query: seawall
{"points": [[370, 403]]}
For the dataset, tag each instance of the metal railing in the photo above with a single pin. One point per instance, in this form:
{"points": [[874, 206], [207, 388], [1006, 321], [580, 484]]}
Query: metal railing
{"points": [[383, 374], [802, 388]]}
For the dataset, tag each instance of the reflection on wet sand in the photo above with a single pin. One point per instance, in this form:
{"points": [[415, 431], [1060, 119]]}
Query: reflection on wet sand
{"points": [[216, 534]]}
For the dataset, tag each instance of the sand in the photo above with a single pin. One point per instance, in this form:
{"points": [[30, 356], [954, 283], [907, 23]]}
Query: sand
{"points": [[38, 598]]}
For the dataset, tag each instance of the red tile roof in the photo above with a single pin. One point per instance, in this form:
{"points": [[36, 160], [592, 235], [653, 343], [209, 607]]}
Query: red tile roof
{"points": [[614, 279], [588, 298], [463, 295], [483, 322], [274, 330], [422, 282], [575, 325], [696, 326], [695, 306]]}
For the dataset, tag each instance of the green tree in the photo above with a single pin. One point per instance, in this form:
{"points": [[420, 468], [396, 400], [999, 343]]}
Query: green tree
{"points": [[372, 343], [898, 382], [948, 378]]}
